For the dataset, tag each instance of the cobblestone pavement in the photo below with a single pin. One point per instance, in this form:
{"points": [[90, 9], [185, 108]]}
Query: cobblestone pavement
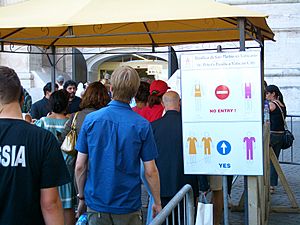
{"points": [[279, 198]]}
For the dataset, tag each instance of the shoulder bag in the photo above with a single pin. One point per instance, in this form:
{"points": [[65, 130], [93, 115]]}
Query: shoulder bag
{"points": [[68, 145], [288, 137]]}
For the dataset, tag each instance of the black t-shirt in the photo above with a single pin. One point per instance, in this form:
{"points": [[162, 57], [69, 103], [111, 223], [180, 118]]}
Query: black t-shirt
{"points": [[30, 160], [74, 105], [276, 120], [40, 108]]}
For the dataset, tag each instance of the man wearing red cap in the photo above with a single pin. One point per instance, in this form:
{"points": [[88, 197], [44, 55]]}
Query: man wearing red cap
{"points": [[154, 110]]}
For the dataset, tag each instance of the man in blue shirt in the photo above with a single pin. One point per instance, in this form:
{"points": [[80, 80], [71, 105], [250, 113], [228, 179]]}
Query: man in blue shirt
{"points": [[112, 142], [42, 107]]}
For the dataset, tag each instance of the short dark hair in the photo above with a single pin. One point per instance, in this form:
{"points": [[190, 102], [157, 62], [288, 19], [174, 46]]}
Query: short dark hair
{"points": [[153, 99], [48, 87], [143, 92], [95, 96], [59, 101], [22, 94], [10, 85], [70, 83]]}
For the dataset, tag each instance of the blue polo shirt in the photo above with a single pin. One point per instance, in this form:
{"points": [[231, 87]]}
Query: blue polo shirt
{"points": [[115, 139]]}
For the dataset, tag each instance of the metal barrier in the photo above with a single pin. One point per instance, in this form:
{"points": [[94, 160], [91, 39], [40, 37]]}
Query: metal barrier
{"points": [[185, 196], [289, 156]]}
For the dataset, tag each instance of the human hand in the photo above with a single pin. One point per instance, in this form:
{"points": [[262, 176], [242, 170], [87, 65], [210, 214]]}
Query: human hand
{"points": [[81, 208], [156, 208]]}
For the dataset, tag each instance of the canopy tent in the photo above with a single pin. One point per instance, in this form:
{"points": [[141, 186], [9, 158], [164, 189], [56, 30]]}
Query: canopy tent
{"points": [[89, 23], [155, 23]]}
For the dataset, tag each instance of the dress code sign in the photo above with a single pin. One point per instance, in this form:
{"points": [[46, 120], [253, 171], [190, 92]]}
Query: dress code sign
{"points": [[221, 113]]}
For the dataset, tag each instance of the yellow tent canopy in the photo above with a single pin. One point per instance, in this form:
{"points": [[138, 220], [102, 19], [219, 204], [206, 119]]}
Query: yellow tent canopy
{"points": [[89, 23]]}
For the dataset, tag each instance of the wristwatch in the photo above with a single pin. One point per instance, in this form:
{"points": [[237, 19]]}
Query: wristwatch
{"points": [[80, 197]]}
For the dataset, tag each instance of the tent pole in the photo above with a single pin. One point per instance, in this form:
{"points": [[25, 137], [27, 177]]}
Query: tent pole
{"points": [[53, 68], [169, 62], [224, 180], [241, 26]]}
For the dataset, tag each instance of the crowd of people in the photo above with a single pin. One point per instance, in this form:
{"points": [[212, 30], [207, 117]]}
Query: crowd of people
{"points": [[117, 148]]}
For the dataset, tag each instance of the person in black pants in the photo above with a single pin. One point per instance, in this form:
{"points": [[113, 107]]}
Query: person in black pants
{"points": [[168, 137]]}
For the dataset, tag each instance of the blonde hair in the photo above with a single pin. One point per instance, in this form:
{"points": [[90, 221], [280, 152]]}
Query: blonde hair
{"points": [[125, 82]]}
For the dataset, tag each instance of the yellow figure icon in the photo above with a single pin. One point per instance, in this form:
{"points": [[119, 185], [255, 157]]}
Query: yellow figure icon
{"points": [[197, 90], [207, 141], [192, 145]]}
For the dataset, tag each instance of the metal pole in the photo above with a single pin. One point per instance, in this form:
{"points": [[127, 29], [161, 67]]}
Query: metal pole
{"points": [[186, 195], [190, 208], [53, 68], [225, 197], [246, 200], [73, 64], [292, 147], [169, 62], [241, 25], [225, 184]]}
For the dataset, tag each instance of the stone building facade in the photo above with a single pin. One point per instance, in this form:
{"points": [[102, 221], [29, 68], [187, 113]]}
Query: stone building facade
{"points": [[282, 60]]}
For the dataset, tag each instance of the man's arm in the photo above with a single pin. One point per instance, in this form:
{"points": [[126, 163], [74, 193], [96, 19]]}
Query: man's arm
{"points": [[51, 206], [80, 175], [152, 177]]}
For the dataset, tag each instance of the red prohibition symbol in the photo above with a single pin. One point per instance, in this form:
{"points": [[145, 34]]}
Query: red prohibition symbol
{"points": [[222, 92]]}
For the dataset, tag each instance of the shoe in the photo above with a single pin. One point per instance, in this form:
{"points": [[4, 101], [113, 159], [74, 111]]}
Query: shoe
{"points": [[272, 190]]}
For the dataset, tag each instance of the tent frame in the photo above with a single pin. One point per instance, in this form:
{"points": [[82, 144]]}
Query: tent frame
{"points": [[244, 27]]}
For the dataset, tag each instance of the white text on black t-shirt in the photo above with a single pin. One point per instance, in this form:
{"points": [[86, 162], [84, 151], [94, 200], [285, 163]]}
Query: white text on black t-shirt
{"points": [[10, 156]]}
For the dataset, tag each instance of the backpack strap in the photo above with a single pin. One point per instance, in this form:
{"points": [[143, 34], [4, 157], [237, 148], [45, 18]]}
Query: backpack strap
{"points": [[285, 125]]}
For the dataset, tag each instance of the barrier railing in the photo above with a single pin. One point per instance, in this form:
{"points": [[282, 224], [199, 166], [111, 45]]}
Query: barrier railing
{"points": [[185, 198], [289, 156]]}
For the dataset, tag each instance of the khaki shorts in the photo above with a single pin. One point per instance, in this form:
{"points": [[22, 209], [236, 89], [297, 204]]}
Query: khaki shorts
{"points": [[215, 183], [100, 218]]}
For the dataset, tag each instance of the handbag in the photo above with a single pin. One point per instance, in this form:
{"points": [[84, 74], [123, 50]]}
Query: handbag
{"points": [[68, 145], [204, 212], [288, 137]]}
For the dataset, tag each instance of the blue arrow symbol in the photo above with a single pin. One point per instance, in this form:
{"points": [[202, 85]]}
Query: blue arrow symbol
{"points": [[224, 146]]}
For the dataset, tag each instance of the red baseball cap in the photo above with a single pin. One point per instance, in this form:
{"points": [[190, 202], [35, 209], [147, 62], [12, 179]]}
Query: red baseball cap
{"points": [[158, 87]]}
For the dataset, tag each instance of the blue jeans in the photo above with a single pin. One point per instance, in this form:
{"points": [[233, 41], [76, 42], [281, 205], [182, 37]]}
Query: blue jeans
{"points": [[276, 144]]}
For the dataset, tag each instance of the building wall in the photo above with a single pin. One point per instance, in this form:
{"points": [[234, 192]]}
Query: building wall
{"points": [[282, 61]]}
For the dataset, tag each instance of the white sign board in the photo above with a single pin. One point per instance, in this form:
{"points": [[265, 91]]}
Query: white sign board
{"points": [[221, 113]]}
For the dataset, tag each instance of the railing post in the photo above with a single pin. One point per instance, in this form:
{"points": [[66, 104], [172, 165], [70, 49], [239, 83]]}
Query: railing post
{"points": [[190, 208], [292, 147], [186, 193]]}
